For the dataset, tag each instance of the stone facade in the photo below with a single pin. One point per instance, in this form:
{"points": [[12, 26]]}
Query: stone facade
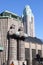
{"points": [[17, 39]]}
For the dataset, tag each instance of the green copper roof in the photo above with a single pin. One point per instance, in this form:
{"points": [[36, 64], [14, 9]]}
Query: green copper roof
{"points": [[10, 14]]}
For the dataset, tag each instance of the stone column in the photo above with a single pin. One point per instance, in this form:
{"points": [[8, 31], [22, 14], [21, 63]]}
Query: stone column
{"points": [[30, 54], [36, 49], [36, 53], [21, 50], [12, 51], [42, 50]]}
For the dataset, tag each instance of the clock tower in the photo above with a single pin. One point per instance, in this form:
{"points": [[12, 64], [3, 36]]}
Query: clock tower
{"points": [[28, 21]]}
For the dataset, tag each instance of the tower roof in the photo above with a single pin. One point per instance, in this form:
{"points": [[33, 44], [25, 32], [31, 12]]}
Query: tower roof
{"points": [[27, 10], [27, 7]]}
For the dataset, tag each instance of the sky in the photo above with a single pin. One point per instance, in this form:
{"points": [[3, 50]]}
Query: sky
{"points": [[17, 6]]}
